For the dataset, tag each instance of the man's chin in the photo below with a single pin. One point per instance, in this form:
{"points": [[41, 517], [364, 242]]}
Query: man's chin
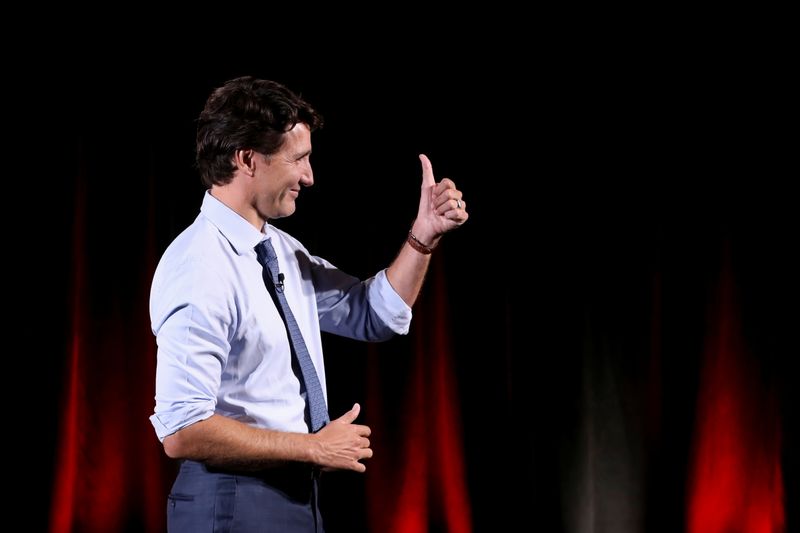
{"points": [[285, 211]]}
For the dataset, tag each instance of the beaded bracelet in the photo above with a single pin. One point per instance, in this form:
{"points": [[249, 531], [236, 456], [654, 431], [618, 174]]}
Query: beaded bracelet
{"points": [[417, 244]]}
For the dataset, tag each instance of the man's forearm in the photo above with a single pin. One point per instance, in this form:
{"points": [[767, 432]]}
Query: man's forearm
{"points": [[407, 272], [224, 442]]}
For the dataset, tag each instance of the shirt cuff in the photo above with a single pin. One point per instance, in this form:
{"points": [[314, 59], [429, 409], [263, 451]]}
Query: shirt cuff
{"points": [[388, 305], [168, 423]]}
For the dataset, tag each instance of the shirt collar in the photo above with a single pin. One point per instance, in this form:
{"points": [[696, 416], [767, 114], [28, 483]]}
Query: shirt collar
{"points": [[239, 232]]}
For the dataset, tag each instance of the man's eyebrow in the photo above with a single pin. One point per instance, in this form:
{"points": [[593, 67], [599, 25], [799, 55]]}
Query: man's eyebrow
{"points": [[301, 155]]}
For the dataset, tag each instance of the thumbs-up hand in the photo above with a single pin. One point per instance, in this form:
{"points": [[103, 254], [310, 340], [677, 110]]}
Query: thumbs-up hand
{"points": [[441, 206]]}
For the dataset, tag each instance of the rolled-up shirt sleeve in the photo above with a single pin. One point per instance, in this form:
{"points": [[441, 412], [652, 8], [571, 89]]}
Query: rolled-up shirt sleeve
{"points": [[388, 305], [367, 310], [191, 318]]}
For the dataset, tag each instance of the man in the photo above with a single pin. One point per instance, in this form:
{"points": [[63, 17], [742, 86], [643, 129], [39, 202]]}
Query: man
{"points": [[237, 307]]}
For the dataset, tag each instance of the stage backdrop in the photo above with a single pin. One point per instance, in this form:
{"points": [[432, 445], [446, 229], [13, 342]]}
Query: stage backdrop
{"points": [[607, 344]]}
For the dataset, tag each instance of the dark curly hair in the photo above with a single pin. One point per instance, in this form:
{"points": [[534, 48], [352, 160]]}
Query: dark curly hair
{"points": [[246, 113]]}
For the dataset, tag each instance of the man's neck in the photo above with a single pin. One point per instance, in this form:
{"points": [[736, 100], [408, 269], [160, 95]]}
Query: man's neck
{"points": [[237, 200]]}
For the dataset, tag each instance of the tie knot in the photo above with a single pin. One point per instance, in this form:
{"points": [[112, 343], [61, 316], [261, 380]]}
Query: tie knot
{"points": [[266, 253]]}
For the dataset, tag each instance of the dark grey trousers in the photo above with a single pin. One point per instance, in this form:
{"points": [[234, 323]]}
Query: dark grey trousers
{"points": [[282, 500]]}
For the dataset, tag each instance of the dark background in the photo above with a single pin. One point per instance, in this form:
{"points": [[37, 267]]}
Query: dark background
{"points": [[609, 189]]}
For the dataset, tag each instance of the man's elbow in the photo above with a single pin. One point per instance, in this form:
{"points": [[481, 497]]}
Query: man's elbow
{"points": [[175, 446]]}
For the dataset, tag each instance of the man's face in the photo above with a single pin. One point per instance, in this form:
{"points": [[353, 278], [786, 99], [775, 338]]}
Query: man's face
{"points": [[283, 174]]}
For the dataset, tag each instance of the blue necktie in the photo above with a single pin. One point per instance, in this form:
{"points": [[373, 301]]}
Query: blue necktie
{"points": [[318, 411]]}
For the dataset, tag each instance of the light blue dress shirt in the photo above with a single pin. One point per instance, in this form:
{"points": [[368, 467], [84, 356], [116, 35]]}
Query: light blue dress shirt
{"points": [[222, 346]]}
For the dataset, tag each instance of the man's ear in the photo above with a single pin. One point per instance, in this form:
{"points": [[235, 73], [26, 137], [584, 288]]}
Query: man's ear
{"points": [[245, 161]]}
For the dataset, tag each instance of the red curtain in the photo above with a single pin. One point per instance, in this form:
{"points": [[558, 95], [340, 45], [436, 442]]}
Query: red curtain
{"points": [[111, 474], [418, 482], [736, 482]]}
